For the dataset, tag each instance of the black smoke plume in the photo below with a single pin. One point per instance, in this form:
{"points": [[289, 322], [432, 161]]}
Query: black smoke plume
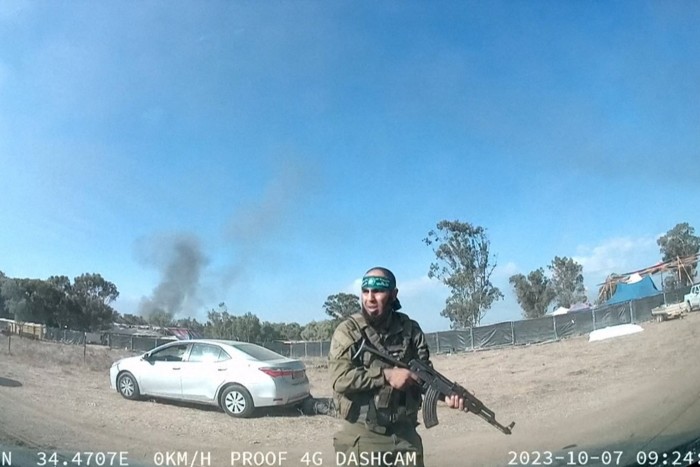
{"points": [[180, 261]]}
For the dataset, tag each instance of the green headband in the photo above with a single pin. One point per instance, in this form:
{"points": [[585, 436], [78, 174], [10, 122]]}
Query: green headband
{"points": [[377, 283]]}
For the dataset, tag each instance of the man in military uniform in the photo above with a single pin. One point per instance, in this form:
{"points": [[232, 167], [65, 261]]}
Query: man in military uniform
{"points": [[378, 402]]}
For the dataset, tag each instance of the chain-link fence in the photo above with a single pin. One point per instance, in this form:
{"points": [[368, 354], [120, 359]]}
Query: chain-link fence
{"points": [[137, 343], [530, 331]]}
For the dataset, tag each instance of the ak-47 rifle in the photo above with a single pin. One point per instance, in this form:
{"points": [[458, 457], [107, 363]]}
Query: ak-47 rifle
{"points": [[436, 386]]}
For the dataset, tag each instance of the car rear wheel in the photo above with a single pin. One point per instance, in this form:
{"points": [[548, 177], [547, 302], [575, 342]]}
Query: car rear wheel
{"points": [[237, 402], [128, 387]]}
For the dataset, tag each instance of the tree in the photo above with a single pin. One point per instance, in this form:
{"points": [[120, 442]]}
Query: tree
{"points": [[94, 295], [68, 312], [214, 325], [48, 302], [342, 305], [534, 293], [319, 330], [464, 264], [288, 331], [219, 325], [247, 328], [190, 323], [95, 287], [567, 281], [680, 243], [31, 300], [269, 332]]}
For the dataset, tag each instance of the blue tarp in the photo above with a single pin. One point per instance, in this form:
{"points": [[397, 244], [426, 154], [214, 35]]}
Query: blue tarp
{"points": [[626, 292]]}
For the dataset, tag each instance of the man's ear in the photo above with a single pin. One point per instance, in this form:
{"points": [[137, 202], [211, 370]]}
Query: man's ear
{"points": [[395, 293]]}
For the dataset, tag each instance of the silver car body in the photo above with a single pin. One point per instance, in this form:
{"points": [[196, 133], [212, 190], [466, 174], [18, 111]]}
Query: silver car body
{"points": [[199, 370]]}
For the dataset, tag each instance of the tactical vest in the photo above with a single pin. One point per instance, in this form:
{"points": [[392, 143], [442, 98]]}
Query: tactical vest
{"points": [[383, 407]]}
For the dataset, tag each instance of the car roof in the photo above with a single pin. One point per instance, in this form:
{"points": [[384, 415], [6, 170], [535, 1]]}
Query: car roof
{"points": [[231, 343], [209, 341]]}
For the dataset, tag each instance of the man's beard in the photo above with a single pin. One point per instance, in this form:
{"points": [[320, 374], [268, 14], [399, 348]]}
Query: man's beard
{"points": [[376, 321]]}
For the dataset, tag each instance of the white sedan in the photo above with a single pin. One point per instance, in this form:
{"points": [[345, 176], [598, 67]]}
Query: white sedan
{"points": [[237, 376]]}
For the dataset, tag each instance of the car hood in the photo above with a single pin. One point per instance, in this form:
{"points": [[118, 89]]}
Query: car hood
{"points": [[127, 360]]}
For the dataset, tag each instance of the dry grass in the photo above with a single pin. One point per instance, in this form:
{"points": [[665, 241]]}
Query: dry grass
{"points": [[44, 354]]}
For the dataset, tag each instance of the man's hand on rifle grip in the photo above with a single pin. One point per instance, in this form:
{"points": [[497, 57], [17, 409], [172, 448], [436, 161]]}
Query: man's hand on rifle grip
{"points": [[455, 402], [400, 378]]}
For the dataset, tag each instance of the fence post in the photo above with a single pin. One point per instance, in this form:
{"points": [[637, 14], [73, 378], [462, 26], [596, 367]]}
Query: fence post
{"points": [[131, 344], [437, 342], [9, 343], [593, 310], [84, 347], [306, 352], [512, 332], [471, 336], [633, 318], [554, 322]]}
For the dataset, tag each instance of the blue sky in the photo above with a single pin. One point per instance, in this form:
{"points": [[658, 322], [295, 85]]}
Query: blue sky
{"points": [[266, 154]]}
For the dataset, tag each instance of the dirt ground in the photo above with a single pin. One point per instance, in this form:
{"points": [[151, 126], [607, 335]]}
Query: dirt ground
{"points": [[623, 395]]}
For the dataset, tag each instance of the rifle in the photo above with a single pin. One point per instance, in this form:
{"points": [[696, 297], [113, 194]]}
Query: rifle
{"points": [[436, 386]]}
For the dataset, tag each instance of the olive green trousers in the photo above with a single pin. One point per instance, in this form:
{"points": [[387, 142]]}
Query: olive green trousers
{"points": [[355, 444]]}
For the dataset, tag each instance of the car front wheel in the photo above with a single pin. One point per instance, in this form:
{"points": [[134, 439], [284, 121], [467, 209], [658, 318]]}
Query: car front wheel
{"points": [[237, 402], [128, 387]]}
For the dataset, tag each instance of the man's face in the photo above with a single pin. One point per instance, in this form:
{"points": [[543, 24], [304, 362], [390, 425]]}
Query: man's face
{"points": [[377, 302]]}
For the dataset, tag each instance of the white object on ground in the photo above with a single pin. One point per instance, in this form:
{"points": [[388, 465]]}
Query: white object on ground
{"points": [[614, 331]]}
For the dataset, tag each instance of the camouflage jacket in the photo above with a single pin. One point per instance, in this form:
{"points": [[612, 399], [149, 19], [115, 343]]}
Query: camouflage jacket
{"points": [[360, 390]]}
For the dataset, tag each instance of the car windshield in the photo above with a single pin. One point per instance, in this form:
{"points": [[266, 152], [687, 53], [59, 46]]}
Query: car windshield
{"points": [[258, 353]]}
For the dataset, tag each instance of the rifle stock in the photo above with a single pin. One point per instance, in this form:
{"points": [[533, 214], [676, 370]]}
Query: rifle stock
{"points": [[436, 386]]}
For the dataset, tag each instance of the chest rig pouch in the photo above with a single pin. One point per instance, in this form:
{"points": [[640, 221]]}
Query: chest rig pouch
{"points": [[386, 406]]}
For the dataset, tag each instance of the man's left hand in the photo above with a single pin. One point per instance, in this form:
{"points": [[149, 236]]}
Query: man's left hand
{"points": [[455, 402]]}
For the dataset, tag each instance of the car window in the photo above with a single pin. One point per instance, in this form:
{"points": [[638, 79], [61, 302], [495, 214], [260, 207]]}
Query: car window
{"points": [[257, 352], [207, 353], [173, 353]]}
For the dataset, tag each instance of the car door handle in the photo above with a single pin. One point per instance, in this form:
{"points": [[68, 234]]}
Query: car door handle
{"points": [[176, 368], [221, 369]]}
